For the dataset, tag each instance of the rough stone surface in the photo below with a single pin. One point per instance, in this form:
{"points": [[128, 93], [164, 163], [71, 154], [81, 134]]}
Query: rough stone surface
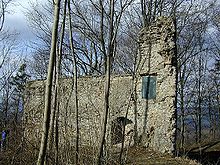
{"points": [[157, 57], [155, 118]]}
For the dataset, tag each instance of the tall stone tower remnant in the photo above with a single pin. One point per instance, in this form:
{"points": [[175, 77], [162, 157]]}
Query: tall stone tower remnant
{"points": [[157, 70]]}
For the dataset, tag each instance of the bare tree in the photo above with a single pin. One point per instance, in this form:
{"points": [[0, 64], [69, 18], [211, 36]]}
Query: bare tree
{"points": [[56, 99], [7, 37], [75, 84], [49, 81], [110, 52], [40, 16], [3, 10]]}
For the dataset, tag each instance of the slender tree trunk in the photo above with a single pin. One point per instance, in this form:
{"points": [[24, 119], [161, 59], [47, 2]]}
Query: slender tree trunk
{"points": [[56, 87], [57, 137], [102, 40], [107, 83], [182, 110], [6, 107], [49, 81], [144, 12], [51, 124], [58, 66], [196, 129], [75, 84], [106, 111], [199, 103], [121, 158], [211, 120], [135, 111], [217, 97]]}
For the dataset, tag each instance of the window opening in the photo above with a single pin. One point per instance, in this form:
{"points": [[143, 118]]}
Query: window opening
{"points": [[149, 87]]}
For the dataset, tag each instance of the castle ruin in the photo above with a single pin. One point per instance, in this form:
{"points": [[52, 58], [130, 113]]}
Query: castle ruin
{"points": [[144, 102]]}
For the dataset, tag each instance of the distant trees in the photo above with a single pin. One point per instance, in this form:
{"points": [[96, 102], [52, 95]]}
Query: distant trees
{"points": [[40, 18], [3, 11], [195, 53], [18, 83], [7, 38], [8, 64]]}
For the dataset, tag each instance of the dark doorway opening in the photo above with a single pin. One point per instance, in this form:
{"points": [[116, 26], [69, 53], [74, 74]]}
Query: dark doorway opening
{"points": [[117, 129]]}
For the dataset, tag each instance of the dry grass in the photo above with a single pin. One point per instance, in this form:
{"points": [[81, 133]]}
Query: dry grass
{"points": [[134, 156], [143, 156]]}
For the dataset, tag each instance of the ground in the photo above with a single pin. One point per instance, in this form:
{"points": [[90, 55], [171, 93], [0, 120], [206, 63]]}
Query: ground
{"points": [[133, 156], [142, 156]]}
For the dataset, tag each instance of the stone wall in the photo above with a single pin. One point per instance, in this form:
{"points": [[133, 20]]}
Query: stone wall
{"points": [[154, 117], [91, 97], [157, 57]]}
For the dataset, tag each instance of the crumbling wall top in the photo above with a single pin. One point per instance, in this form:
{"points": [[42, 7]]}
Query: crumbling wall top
{"points": [[156, 31]]}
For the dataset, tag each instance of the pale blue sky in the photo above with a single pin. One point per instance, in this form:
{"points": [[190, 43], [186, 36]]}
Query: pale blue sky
{"points": [[16, 20]]}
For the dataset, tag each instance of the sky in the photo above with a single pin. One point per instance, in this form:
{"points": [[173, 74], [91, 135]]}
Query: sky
{"points": [[16, 20]]}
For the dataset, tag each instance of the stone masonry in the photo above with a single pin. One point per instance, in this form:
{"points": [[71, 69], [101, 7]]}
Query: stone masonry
{"points": [[146, 101], [158, 58]]}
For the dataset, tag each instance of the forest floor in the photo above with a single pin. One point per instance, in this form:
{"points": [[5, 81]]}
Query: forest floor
{"points": [[207, 152], [136, 156], [143, 156]]}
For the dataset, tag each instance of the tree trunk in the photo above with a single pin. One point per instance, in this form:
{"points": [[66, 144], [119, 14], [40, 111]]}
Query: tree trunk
{"points": [[54, 113], [199, 102], [135, 111], [48, 92], [102, 40], [106, 111], [58, 66], [75, 85], [107, 83], [182, 110]]}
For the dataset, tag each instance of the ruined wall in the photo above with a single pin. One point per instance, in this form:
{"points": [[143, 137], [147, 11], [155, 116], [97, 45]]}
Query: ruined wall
{"points": [[91, 98], [154, 116], [157, 58]]}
